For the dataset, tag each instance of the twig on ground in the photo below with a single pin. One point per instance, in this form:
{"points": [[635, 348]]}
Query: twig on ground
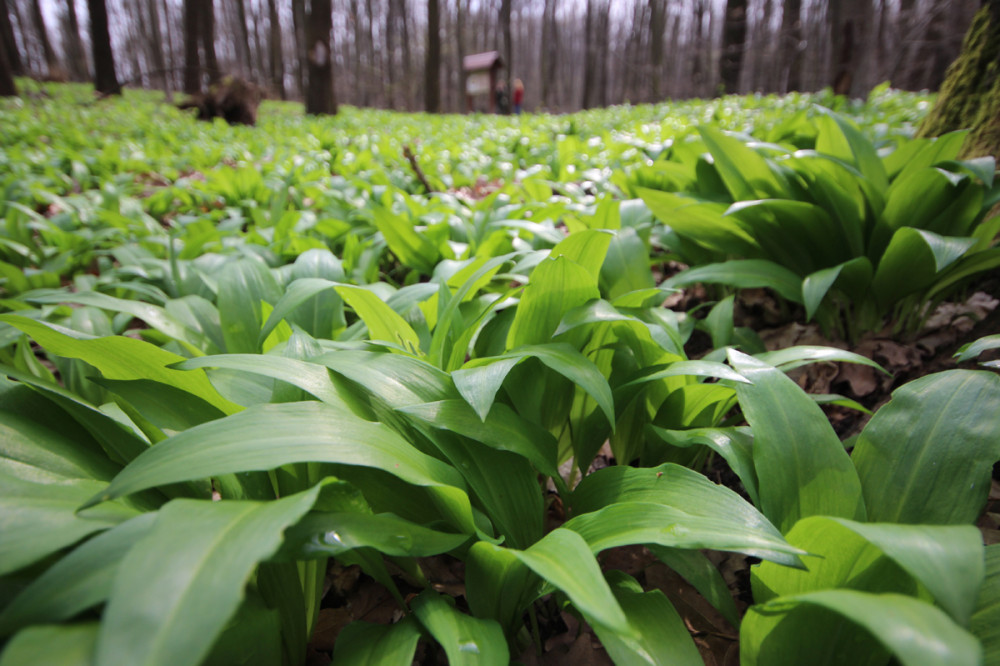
{"points": [[408, 154]]}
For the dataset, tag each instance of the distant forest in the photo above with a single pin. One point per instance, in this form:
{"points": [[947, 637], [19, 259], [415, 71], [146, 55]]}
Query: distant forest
{"points": [[570, 54]]}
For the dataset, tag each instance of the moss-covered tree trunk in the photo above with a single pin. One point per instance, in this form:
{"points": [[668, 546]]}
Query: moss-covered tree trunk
{"points": [[970, 95]]}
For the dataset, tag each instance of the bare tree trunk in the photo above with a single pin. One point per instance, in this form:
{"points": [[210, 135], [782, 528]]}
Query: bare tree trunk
{"points": [[460, 53], [13, 57], [590, 62], [657, 30], [7, 87], [192, 61], [206, 30], [549, 54], [319, 24], [734, 35], [55, 69], [791, 32], [432, 72], [242, 38], [508, 46], [76, 60], [277, 61], [299, 26], [105, 81], [156, 46], [168, 25]]}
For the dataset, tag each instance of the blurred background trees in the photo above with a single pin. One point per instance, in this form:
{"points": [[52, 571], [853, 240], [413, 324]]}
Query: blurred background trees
{"points": [[569, 53]]}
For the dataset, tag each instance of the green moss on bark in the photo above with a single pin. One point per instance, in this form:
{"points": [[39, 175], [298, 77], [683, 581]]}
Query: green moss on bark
{"points": [[970, 95]]}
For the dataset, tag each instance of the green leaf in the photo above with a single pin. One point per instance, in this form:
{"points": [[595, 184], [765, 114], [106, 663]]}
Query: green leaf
{"points": [[52, 645], [467, 641], [498, 585], [300, 292], [744, 274], [672, 506], [926, 456], [735, 445], [332, 534], [701, 221], [556, 286], [587, 248], [745, 172], [366, 644], [268, 436], [790, 358], [123, 358], [973, 349], [382, 321], [840, 138], [243, 284], [853, 278], [915, 632], [176, 589], [912, 260], [985, 623], [698, 570], [872, 557], [626, 266], [564, 559], [80, 580], [801, 465], [411, 248], [662, 636]]}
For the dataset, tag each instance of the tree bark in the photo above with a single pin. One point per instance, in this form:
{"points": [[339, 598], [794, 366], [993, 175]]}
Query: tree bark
{"points": [[590, 61], [277, 59], [432, 71], [549, 55], [970, 96], [508, 46], [76, 61], [105, 80], [319, 24], [206, 30], [734, 35], [192, 60], [243, 37], [791, 32], [13, 57], [55, 70], [156, 46], [7, 87]]}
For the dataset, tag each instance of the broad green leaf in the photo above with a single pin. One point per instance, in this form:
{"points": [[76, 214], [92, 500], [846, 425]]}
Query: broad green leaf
{"points": [[744, 274], [123, 358], [411, 248], [52, 645], [167, 408], [790, 358], [80, 580], [564, 559], [802, 467], [556, 286], [498, 585], [946, 559], [39, 514], [176, 588], [926, 456], [322, 534], [481, 379], [973, 349], [985, 623], [468, 641], [503, 429], [735, 445], [243, 285], [642, 503], [383, 323], [662, 636], [840, 138], [626, 266], [300, 292], [852, 277], [688, 369], [701, 221], [745, 172], [366, 644], [698, 570], [783, 631], [269, 436], [912, 260], [587, 248]]}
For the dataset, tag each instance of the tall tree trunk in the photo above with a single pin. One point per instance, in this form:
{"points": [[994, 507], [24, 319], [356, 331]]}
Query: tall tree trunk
{"points": [[243, 39], [168, 28], [460, 49], [105, 81], [590, 61], [734, 35], [319, 24], [156, 46], [508, 46], [850, 23], [657, 30], [432, 70], [13, 57], [791, 32], [277, 59], [76, 61], [206, 31], [192, 60], [970, 96], [55, 69], [301, 59], [548, 55], [7, 87]]}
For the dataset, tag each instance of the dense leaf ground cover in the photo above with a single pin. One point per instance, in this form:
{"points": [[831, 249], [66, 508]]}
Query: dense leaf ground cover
{"points": [[268, 400]]}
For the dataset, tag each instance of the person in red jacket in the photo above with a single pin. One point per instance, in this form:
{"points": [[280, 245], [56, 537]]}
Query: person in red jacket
{"points": [[518, 95]]}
